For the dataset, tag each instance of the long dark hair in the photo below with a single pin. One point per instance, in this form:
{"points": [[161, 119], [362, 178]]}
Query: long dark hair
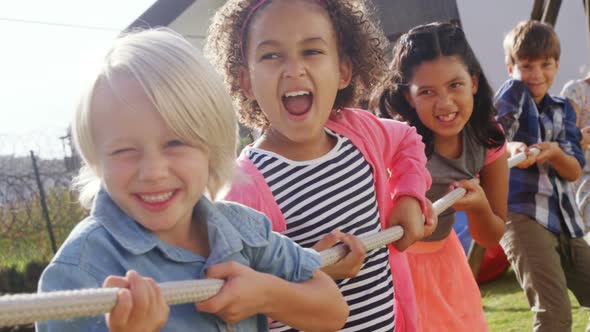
{"points": [[426, 43]]}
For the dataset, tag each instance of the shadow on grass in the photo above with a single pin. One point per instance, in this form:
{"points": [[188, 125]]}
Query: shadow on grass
{"points": [[506, 284], [492, 309]]}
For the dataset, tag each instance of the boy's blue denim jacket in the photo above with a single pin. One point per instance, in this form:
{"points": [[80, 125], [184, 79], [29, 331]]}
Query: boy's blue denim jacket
{"points": [[109, 242], [538, 191]]}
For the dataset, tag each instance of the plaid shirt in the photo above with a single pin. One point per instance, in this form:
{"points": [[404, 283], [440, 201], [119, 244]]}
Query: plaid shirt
{"points": [[538, 191]]}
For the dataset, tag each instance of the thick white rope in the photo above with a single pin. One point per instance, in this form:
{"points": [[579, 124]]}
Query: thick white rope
{"points": [[520, 157], [27, 308]]}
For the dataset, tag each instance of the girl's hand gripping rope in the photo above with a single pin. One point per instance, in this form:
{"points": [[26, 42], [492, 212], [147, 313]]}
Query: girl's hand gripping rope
{"points": [[407, 213], [474, 199], [350, 265], [430, 219]]}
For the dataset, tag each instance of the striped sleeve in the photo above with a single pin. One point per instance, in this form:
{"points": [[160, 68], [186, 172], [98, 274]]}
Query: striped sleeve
{"points": [[569, 142]]}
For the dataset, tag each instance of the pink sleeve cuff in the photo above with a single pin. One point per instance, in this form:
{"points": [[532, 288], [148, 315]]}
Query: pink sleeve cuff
{"points": [[411, 185]]}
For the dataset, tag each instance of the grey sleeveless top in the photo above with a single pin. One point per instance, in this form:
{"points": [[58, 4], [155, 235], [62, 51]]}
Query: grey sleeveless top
{"points": [[445, 171]]}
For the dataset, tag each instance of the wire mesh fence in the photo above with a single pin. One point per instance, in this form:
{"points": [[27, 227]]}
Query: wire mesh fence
{"points": [[37, 208]]}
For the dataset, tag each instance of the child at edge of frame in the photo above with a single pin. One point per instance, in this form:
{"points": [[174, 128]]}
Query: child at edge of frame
{"points": [[544, 233], [157, 133]]}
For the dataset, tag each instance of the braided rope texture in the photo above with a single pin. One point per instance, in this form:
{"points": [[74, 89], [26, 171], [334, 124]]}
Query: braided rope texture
{"points": [[27, 308]]}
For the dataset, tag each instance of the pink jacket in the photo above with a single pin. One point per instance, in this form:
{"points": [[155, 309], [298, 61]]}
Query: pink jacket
{"points": [[396, 154]]}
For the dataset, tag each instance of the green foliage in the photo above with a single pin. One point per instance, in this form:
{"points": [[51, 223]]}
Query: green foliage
{"points": [[25, 246], [243, 142], [23, 230]]}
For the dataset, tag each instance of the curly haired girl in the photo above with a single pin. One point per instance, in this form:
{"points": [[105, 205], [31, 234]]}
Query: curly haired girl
{"points": [[227, 43], [325, 173]]}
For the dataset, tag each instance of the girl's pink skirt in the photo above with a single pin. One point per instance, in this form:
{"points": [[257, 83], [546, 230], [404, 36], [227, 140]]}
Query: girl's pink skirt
{"points": [[447, 295]]}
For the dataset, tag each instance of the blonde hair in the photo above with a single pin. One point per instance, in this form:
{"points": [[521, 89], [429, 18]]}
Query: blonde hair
{"points": [[185, 90]]}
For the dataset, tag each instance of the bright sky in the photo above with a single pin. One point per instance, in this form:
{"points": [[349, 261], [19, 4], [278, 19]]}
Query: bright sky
{"points": [[47, 48], [50, 46]]}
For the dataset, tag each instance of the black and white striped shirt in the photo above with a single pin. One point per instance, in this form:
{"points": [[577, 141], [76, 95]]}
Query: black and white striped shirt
{"points": [[334, 191]]}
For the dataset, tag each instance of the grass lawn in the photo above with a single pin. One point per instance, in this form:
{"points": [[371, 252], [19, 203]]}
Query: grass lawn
{"points": [[507, 309]]}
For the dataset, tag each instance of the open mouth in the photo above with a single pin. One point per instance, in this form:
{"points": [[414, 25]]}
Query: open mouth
{"points": [[447, 117], [297, 102], [156, 198], [156, 201]]}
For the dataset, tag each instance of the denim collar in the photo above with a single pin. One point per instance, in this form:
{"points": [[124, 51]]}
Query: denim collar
{"points": [[224, 238]]}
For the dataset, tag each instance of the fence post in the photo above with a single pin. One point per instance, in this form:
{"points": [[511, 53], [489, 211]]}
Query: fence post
{"points": [[43, 203]]}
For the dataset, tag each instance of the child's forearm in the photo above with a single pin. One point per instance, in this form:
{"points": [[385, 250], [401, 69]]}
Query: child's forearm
{"points": [[407, 212], [485, 226], [566, 166], [487, 219], [314, 305]]}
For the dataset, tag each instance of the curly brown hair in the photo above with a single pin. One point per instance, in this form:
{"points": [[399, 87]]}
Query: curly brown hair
{"points": [[359, 38]]}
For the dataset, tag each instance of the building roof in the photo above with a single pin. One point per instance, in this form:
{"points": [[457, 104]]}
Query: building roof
{"points": [[399, 16], [396, 16], [160, 13]]}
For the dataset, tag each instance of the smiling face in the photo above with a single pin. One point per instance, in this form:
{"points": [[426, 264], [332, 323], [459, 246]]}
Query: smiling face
{"points": [[152, 175], [294, 69], [537, 75], [441, 91]]}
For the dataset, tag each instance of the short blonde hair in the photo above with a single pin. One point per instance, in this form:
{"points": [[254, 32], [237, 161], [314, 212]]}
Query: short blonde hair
{"points": [[185, 90], [531, 40]]}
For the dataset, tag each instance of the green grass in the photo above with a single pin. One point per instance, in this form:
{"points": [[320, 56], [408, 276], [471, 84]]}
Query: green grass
{"points": [[507, 309]]}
